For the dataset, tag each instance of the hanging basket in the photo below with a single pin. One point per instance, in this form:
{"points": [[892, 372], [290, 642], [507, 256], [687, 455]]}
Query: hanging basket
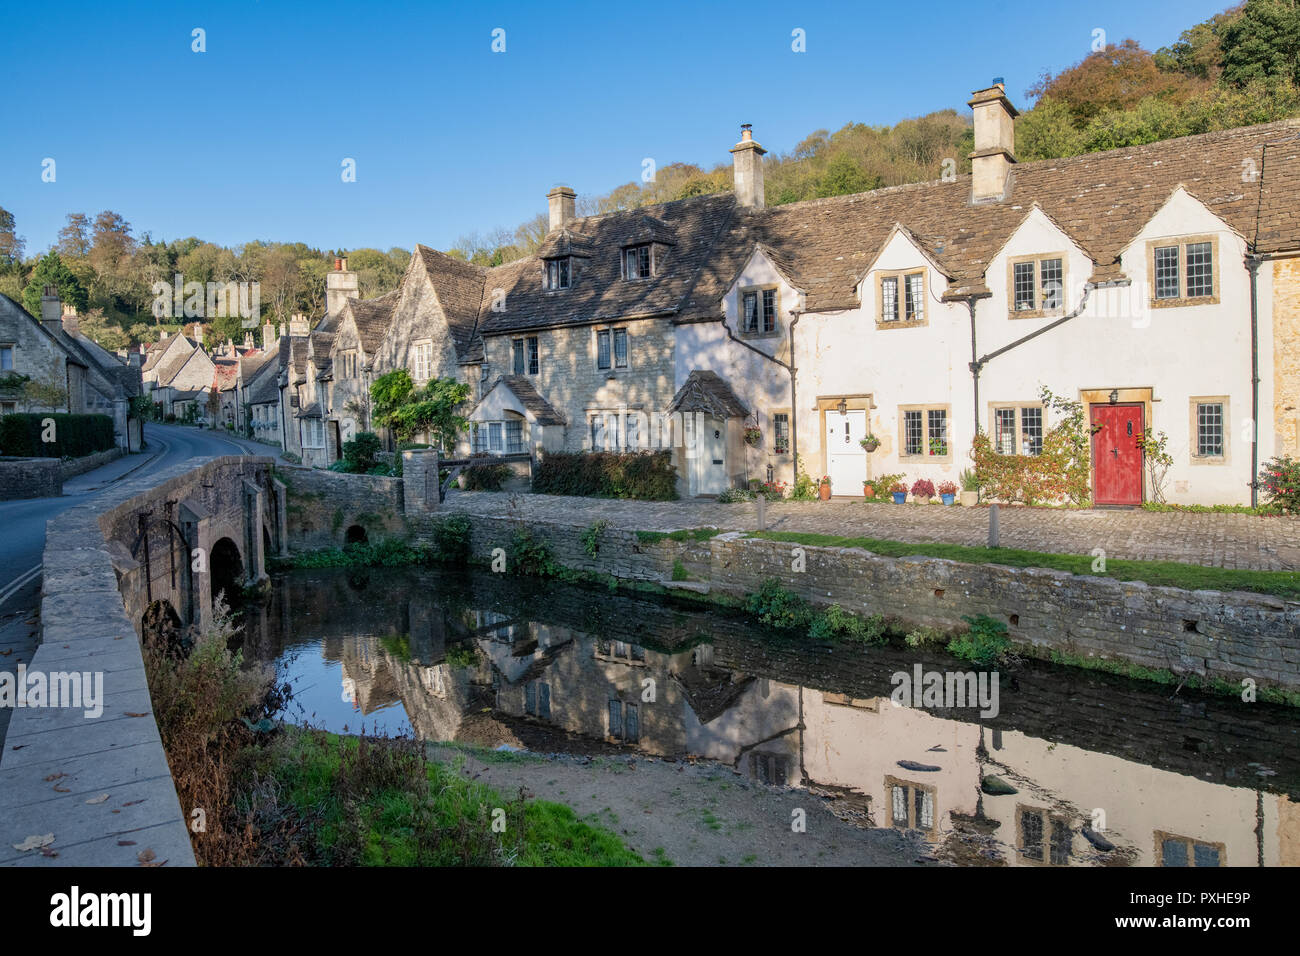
{"points": [[753, 436], [869, 444]]}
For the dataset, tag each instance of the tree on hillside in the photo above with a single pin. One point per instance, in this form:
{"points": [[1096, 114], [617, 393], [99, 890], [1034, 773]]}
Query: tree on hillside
{"points": [[11, 246], [74, 238], [52, 270], [1263, 43], [1199, 50]]}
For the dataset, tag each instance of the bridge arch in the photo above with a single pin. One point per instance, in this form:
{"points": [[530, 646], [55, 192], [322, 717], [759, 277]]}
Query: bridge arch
{"points": [[226, 570]]}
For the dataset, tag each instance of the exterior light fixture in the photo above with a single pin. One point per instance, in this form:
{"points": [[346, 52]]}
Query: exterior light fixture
{"points": [[843, 406], [1114, 396]]}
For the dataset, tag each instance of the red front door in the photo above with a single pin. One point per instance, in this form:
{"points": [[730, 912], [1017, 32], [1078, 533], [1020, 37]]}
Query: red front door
{"points": [[1117, 454]]}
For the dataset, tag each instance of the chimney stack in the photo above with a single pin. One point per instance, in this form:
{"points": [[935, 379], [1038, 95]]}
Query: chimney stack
{"points": [[995, 142], [268, 336], [71, 324], [51, 310], [747, 170], [340, 285], [561, 202]]}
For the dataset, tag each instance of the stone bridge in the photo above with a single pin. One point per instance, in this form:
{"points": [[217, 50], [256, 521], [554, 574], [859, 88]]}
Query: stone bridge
{"points": [[90, 778]]}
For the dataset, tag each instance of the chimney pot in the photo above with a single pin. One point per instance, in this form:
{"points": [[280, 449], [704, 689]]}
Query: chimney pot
{"points": [[561, 203]]}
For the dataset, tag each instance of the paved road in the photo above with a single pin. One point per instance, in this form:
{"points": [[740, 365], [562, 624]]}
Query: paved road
{"points": [[22, 528]]}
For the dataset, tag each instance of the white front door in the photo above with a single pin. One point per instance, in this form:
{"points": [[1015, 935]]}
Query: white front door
{"points": [[706, 448], [847, 460]]}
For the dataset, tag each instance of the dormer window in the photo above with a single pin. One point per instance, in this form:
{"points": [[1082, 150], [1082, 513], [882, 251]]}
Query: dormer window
{"points": [[758, 311], [638, 263], [557, 273]]}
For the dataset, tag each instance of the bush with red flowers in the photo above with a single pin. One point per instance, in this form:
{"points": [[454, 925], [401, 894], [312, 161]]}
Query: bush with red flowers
{"points": [[1280, 480], [923, 489]]}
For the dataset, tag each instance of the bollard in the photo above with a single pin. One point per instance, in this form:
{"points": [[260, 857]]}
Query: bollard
{"points": [[994, 532], [761, 501]]}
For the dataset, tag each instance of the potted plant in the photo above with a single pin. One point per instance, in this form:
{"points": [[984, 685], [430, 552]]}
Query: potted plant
{"points": [[868, 489], [938, 447], [922, 490], [753, 435], [899, 491], [970, 489], [948, 492], [869, 444], [824, 488]]}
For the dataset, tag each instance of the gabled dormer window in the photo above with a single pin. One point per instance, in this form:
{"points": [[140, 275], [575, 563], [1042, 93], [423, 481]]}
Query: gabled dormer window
{"points": [[758, 309], [638, 262], [557, 273]]}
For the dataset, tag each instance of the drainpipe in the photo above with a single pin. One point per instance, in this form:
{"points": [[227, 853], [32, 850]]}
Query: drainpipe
{"points": [[789, 367], [1253, 261], [974, 374]]}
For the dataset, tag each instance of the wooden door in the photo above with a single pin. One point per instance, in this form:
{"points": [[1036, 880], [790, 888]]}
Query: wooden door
{"points": [[847, 464], [1117, 454]]}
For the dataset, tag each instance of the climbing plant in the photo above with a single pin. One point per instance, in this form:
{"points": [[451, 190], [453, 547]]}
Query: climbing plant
{"points": [[1059, 472]]}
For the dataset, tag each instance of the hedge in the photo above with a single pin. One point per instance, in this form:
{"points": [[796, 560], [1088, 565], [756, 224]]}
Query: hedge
{"points": [[647, 475], [75, 435]]}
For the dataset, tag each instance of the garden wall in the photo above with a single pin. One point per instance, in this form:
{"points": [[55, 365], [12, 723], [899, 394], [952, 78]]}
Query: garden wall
{"points": [[323, 505]]}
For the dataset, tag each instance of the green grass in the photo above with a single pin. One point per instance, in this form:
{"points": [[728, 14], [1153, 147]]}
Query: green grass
{"points": [[1175, 574], [1159, 675], [374, 804], [685, 534]]}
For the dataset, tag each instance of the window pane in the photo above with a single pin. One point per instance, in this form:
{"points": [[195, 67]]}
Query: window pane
{"points": [[532, 355], [1022, 274], [1061, 838], [781, 433], [914, 303], [750, 320], [631, 265], [544, 700], [1173, 853], [643, 262], [602, 349], [899, 799], [1004, 431], [1167, 272], [620, 348], [632, 430], [1209, 429], [913, 440], [1200, 269], [1031, 431], [889, 299], [564, 273], [530, 698], [495, 436], [924, 809], [616, 718], [518, 346], [632, 724], [938, 431], [1204, 855], [514, 437], [769, 310], [1050, 272], [1031, 830]]}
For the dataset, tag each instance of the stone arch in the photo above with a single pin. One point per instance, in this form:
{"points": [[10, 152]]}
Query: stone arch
{"points": [[226, 570], [356, 534]]}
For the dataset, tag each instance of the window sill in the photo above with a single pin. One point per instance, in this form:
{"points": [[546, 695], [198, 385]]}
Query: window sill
{"points": [[774, 334], [1209, 459], [901, 324], [1036, 314], [1183, 303], [926, 459]]}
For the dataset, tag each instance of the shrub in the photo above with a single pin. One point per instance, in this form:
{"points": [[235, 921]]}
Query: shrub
{"points": [[883, 483], [836, 624], [528, 555], [732, 495], [75, 436], [359, 454], [923, 489], [679, 571], [776, 607], [486, 477], [985, 644], [947, 488], [451, 539], [805, 489], [1061, 471], [923, 636], [645, 475], [1280, 480], [591, 537]]}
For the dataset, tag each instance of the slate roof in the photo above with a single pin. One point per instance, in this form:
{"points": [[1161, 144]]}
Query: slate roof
{"points": [[704, 391], [263, 386], [542, 411], [460, 289], [372, 317]]}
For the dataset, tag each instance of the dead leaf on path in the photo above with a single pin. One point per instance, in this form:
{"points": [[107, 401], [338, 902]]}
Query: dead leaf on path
{"points": [[144, 856], [158, 863], [126, 843], [55, 776], [6, 653], [131, 803], [34, 842], [99, 799], [19, 746], [130, 714], [58, 789], [46, 851]]}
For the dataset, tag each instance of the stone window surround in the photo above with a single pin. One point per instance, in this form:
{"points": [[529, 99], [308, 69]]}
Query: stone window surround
{"points": [[912, 786], [789, 422], [415, 347], [523, 341], [1039, 312], [925, 457], [654, 261], [992, 432], [1182, 242], [1160, 836], [900, 275], [1047, 815], [614, 367], [12, 349], [1192, 434], [546, 274], [776, 311]]}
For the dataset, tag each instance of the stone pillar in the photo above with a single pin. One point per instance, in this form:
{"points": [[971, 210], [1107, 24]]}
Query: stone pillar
{"points": [[420, 480], [281, 516]]}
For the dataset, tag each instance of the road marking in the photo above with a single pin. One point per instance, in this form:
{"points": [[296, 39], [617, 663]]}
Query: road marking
{"points": [[19, 583]]}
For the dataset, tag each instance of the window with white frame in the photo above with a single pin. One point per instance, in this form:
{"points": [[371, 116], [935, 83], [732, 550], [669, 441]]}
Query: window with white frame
{"points": [[1037, 285], [1018, 429], [781, 433], [611, 348], [1183, 272], [902, 297], [638, 262], [497, 438], [422, 361], [557, 273], [313, 433]]}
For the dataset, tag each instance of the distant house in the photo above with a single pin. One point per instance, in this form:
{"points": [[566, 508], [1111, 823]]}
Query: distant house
{"points": [[52, 352], [180, 374]]}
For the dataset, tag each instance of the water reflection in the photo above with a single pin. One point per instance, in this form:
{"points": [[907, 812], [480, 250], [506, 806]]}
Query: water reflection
{"points": [[1076, 769]]}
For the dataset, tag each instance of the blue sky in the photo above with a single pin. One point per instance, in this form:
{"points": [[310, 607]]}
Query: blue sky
{"points": [[246, 140]]}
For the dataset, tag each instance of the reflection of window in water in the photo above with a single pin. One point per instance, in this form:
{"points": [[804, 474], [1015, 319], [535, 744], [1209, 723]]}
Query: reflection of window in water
{"points": [[624, 722], [431, 678], [911, 805], [621, 650], [484, 620], [769, 768], [1184, 851], [537, 699], [1044, 836], [703, 655]]}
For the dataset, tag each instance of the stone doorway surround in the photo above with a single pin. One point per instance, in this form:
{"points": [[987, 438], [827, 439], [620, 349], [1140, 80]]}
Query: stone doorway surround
{"points": [[828, 405]]}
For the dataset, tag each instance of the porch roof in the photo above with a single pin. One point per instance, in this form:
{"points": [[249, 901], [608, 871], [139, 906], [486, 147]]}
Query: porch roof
{"points": [[705, 391]]}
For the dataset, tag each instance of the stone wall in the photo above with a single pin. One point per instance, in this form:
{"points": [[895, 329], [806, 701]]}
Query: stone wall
{"points": [[79, 466], [1286, 355], [323, 505], [1209, 633], [30, 478]]}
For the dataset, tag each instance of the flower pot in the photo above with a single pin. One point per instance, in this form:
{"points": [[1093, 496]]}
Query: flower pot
{"points": [[870, 446], [948, 499], [969, 499], [868, 491], [899, 497], [824, 492]]}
